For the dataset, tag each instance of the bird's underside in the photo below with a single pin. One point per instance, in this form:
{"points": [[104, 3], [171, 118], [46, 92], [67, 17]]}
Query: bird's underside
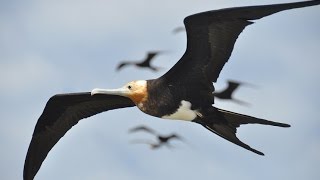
{"points": [[210, 39]]}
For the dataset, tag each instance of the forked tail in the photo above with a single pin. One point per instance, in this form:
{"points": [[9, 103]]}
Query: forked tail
{"points": [[237, 119], [225, 123]]}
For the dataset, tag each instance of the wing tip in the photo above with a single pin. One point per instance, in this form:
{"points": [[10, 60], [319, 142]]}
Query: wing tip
{"points": [[257, 152]]}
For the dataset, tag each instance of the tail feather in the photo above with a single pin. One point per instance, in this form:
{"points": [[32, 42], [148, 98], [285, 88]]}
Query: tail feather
{"points": [[225, 123], [228, 134], [238, 119]]}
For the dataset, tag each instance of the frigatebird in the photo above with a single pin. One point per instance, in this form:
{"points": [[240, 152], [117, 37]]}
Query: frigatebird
{"points": [[182, 93], [227, 93], [162, 139], [145, 63], [178, 29], [152, 145]]}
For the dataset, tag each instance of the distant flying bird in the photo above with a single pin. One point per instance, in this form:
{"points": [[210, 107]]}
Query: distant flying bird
{"points": [[145, 63], [162, 140], [143, 128], [152, 145], [227, 93], [182, 93], [178, 29]]}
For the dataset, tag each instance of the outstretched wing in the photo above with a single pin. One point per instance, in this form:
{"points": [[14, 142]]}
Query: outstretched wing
{"points": [[150, 56], [227, 93], [61, 113], [123, 64], [143, 128], [211, 37]]}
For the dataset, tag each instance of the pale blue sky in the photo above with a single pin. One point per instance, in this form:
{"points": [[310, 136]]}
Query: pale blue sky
{"points": [[50, 47]]}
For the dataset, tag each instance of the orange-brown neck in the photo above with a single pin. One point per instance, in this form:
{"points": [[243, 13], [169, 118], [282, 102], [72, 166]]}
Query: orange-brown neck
{"points": [[139, 97]]}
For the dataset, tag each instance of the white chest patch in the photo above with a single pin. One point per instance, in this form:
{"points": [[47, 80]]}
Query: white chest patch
{"points": [[184, 112]]}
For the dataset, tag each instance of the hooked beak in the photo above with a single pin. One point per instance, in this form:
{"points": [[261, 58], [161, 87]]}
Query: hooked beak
{"points": [[120, 91]]}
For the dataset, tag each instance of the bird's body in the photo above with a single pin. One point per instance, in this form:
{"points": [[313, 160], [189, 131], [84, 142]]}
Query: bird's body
{"points": [[145, 63], [185, 92]]}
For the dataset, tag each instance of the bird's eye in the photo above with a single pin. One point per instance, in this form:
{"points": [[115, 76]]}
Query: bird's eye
{"points": [[129, 87]]}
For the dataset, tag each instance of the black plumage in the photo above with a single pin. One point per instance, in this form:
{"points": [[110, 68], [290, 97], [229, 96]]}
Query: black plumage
{"points": [[145, 63], [63, 111], [162, 139], [185, 92], [228, 92]]}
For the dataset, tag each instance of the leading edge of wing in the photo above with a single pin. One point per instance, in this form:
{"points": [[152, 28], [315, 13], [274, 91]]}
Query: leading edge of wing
{"points": [[61, 112], [252, 12], [211, 37]]}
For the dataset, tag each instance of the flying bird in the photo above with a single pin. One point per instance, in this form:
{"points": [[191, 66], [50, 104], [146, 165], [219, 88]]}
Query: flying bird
{"points": [[152, 145], [182, 93], [227, 93], [178, 29], [162, 140], [143, 128], [145, 63]]}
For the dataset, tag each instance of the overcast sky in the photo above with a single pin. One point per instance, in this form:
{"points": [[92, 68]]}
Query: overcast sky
{"points": [[50, 47]]}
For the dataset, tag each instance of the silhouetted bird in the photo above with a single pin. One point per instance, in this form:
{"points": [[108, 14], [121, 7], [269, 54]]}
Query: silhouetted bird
{"points": [[227, 93], [162, 140], [178, 29], [152, 145], [144, 63], [182, 93]]}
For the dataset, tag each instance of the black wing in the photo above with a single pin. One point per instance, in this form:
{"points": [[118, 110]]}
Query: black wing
{"points": [[123, 64], [149, 57], [143, 128], [210, 39], [227, 93], [165, 139], [61, 113]]}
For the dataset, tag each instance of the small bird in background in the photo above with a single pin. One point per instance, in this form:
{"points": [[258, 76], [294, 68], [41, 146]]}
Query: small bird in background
{"points": [[152, 145], [145, 63], [162, 140], [227, 93], [178, 29]]}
